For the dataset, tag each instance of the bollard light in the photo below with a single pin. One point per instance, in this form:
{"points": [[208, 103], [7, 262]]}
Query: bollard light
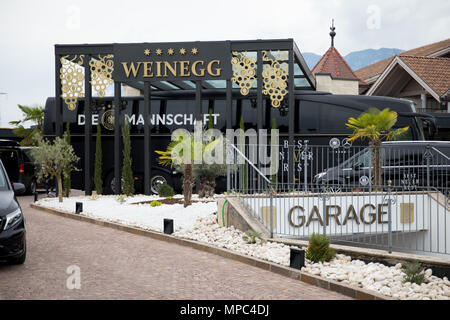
{"points": [[35, 196], [78, 207], [297, 258], [168, 226]]}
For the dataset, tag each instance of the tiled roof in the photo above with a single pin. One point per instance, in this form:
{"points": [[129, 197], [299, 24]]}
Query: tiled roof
{"points": [[434, 71], [334, 64], [378, 67]]}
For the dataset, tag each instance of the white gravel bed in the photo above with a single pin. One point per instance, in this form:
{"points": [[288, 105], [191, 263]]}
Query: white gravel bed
{"points": [[198, 222], [380, 278], [208, 231], [144, 216], [371, 276]]}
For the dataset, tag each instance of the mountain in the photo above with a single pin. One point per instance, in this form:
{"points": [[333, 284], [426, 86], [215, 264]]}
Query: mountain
{"points": [[311, 59], [360, 59], [356, 59]]}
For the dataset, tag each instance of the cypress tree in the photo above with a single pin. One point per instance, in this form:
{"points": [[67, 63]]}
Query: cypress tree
{"points": [[274, 179], [98, 162], [66, 170], [127, 173], [242, 148], [210, 121]]}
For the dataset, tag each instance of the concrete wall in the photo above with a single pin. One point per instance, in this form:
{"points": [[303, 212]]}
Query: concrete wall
{"points": [[336, 86]]}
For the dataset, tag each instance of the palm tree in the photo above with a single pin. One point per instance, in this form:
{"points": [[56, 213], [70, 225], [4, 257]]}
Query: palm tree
{"points": [[181, 153], [376, 126], [34, 115]]}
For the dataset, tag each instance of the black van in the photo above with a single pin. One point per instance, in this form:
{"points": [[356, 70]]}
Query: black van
{"points": [[18, 164], [406, 165], [319, 117]]}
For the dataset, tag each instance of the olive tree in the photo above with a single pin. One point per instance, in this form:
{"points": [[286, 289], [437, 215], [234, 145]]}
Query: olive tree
{"points": [[54, 159]]}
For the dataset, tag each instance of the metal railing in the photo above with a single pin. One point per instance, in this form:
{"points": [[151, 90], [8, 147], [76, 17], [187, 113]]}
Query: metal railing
{"points": [[393, 197]]}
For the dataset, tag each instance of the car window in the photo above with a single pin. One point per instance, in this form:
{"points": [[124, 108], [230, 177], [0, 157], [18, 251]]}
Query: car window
{"points": [[9, 158], [3, 184], [403, 156], [27, 155]]}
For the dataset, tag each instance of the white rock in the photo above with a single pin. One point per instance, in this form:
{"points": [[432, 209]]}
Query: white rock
{"points": [[379, 277]]}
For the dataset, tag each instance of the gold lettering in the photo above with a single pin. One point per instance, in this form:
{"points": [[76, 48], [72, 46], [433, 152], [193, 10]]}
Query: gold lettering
{"points": [[301, 218], [209, 68], [148, 69], [381, 213], [314, 211], [173, 70], [335, 215], [351, 215], [194, 69], [132, 68], [372, 214], [184, 69], [158, 68]]}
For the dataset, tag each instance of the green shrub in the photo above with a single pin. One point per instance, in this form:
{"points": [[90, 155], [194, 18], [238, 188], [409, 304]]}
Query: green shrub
{"points": [[166, 190], [250, 236], [121, 198], [169, 198], [127, 172], [66, 171], [98, 183], [414, 273], [319, 248], [155, 203]]}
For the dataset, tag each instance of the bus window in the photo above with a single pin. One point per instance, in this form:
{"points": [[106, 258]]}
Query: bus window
{"points": [[245, 108], [403, 122], [334, 117], [280, 114], [309, 117], [218, 109]]}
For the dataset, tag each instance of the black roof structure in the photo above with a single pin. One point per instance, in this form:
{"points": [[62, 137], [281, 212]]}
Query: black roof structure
{"points": [[267, 69]]}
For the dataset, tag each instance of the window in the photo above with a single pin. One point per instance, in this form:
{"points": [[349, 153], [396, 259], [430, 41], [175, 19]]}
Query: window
{"points": [[219, 112], [280, 115], [334, 117], [245, 108], [3, 184], [174, 114], [309, 117]]}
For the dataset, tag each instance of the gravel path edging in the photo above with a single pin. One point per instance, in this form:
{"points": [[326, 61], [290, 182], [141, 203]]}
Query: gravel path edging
{"points": [[350, 291]]}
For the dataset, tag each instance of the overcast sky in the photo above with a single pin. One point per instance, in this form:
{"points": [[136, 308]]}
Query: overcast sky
{"points": [[29, 30]]}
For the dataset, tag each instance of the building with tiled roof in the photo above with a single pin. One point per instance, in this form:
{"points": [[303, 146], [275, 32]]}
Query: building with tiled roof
{"points": [[333, 74], [371, 73], [424, 80]]}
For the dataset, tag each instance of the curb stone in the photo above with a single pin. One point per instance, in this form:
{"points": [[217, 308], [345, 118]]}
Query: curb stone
{"points": [[350, 291]]}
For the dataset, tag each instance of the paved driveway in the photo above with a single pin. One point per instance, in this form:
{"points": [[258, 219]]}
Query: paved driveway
{"points": [[118, 265]]}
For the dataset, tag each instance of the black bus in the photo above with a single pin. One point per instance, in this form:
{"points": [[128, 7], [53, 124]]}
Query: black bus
{"points": [[319, 119]]}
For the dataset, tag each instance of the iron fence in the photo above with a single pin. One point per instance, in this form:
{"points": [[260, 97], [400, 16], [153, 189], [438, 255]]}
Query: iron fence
{"points": [[393, 197]]}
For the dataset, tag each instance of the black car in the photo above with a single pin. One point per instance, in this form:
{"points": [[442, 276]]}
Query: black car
{"points": [[406, 165], [18, 164], [12, 222]]}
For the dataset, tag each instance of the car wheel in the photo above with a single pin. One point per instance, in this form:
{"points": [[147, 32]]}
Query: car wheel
{"points": [[110, 184], [158, 179]]}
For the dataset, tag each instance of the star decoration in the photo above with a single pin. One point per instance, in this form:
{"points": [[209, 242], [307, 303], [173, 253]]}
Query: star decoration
{"points": [[170, 51], [194, 50], [158, 52], [147, 52], [183, 51]]}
